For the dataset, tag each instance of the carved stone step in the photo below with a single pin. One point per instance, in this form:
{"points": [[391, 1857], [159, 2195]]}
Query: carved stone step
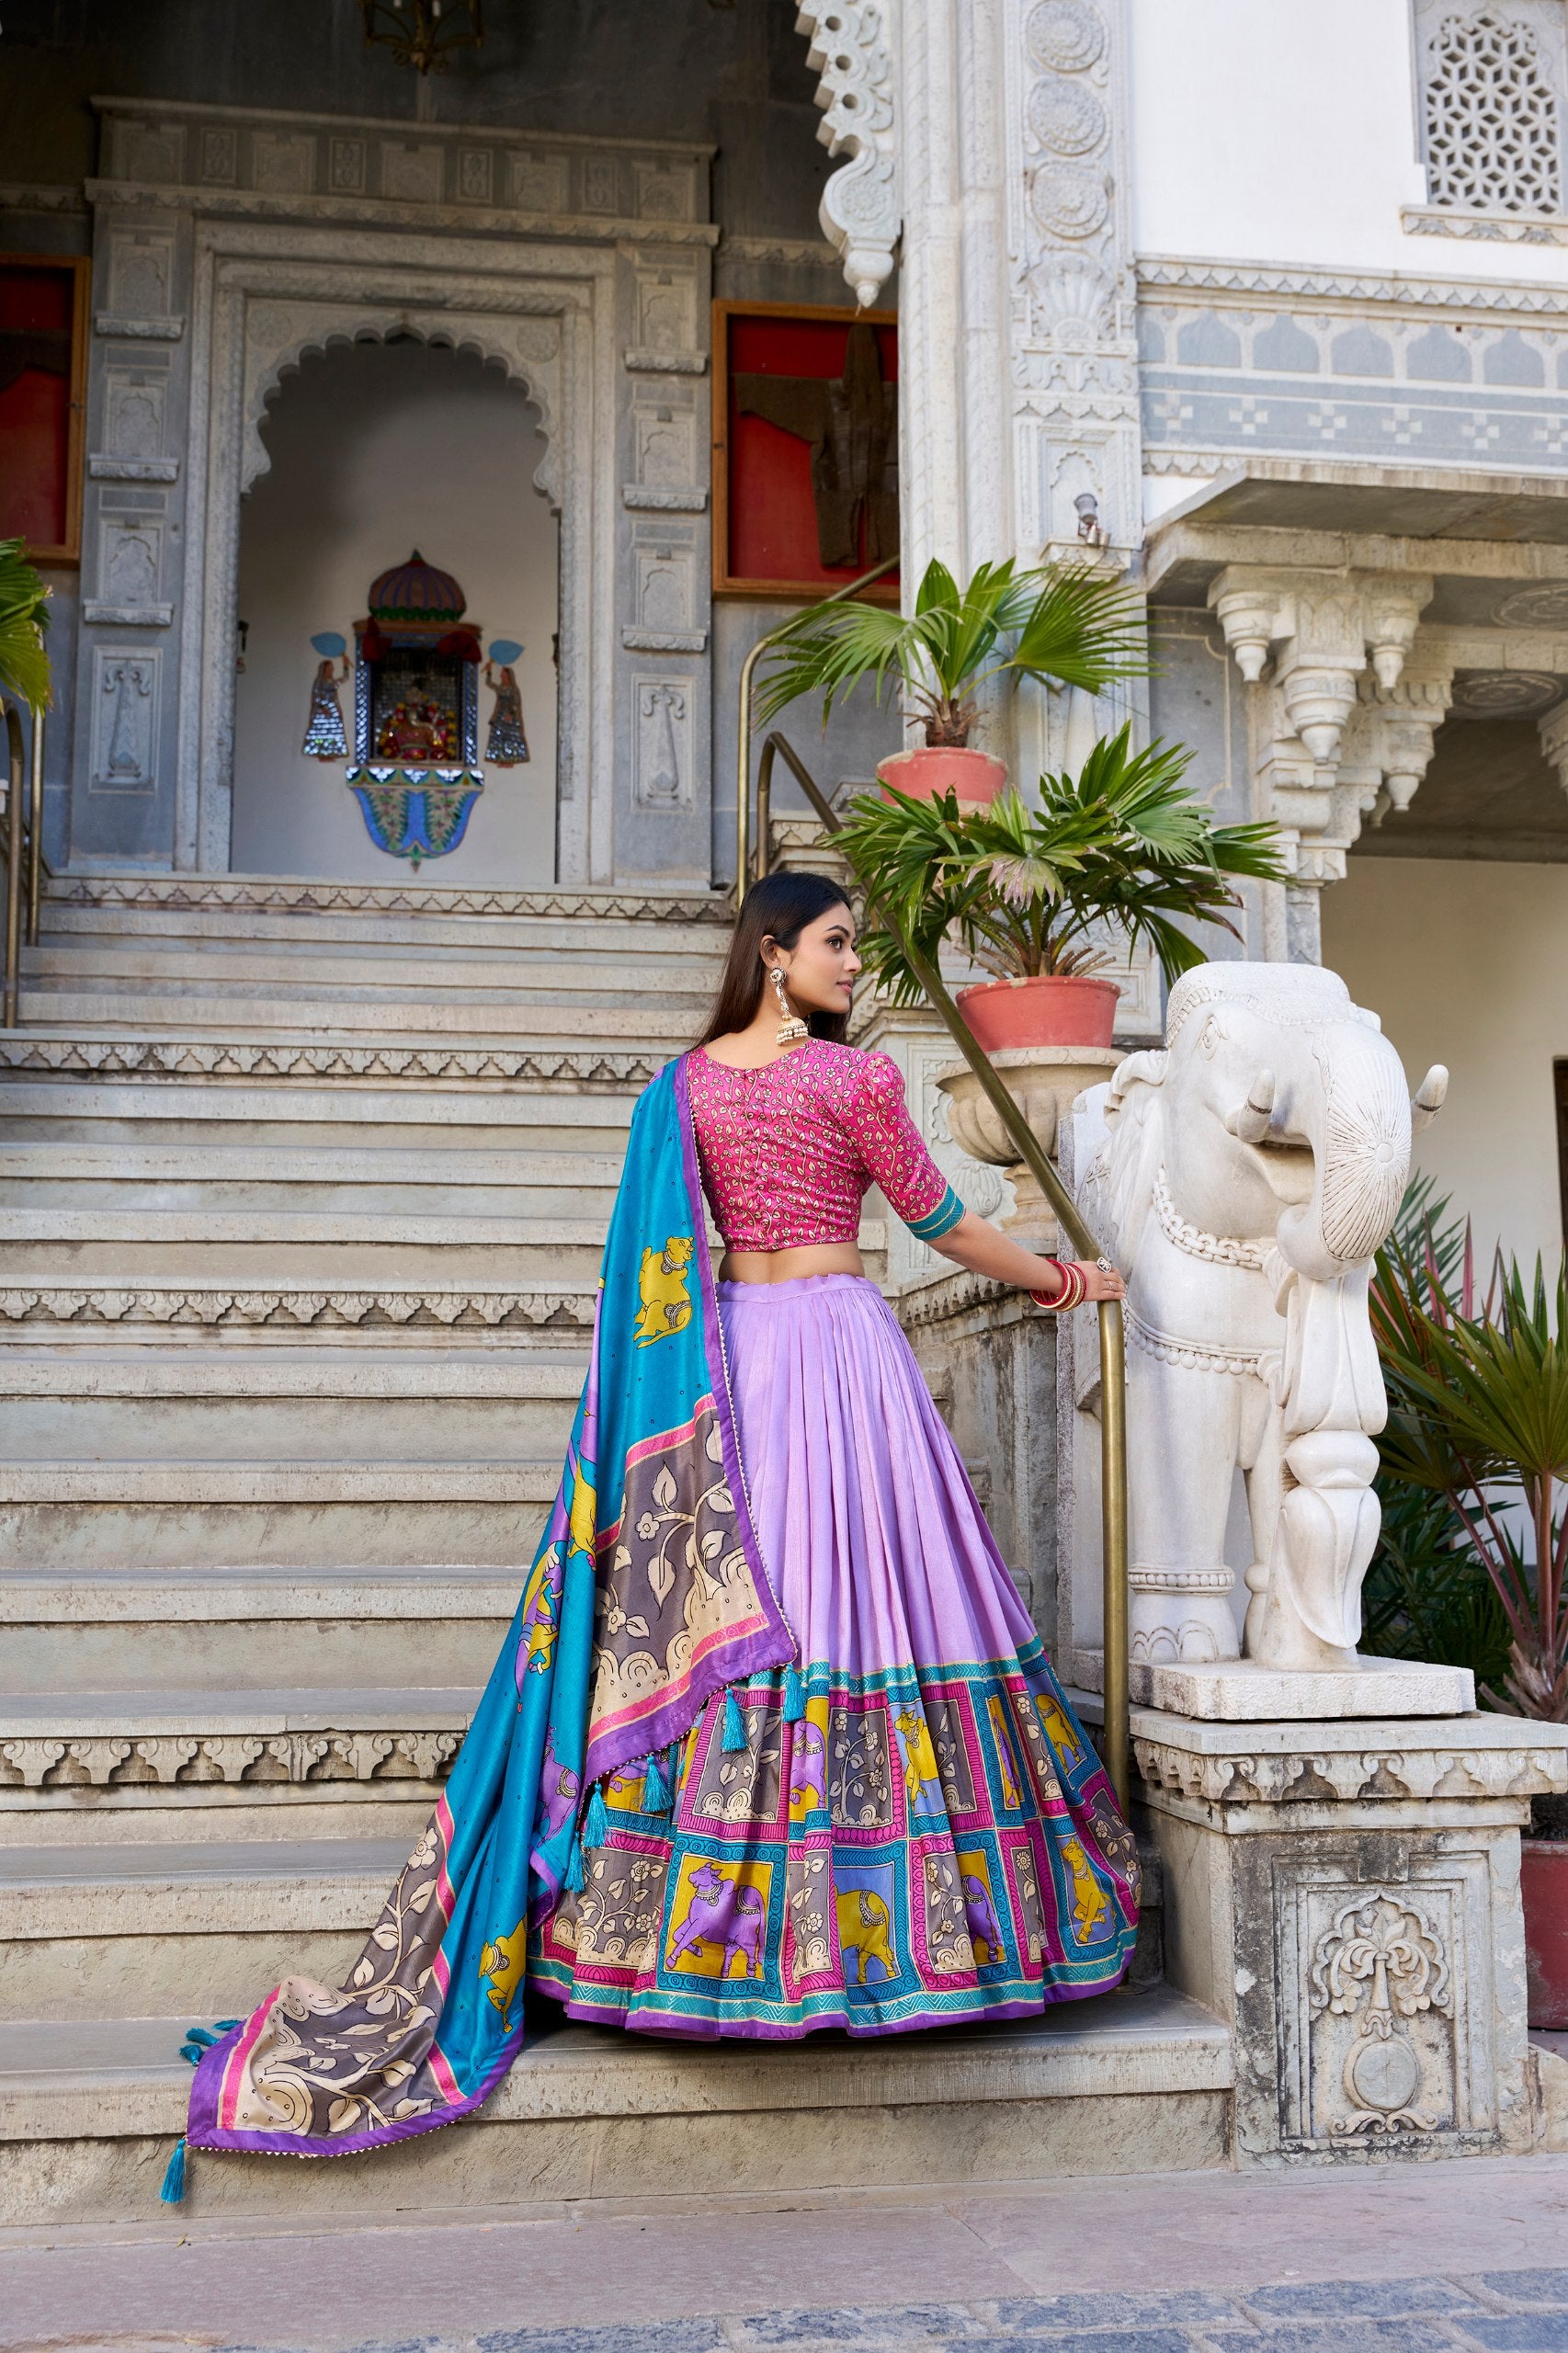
{"points": [[357, 970], [1121, 2084], [274, 1484], [66, 1631], [167, 1113], [565, 922], [246, 1748], [125, 1306], [190, 1406], [121, 1931], [665, 1026], [227, 1054]]}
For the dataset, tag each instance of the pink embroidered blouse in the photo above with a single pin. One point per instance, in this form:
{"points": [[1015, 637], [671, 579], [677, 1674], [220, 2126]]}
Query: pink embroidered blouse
{"points": [[788, 1152]]}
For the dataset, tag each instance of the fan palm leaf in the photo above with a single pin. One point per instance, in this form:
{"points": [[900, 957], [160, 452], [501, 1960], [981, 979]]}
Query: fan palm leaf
{"points": [[1027, 890], [23, 617], [1064, 627]]}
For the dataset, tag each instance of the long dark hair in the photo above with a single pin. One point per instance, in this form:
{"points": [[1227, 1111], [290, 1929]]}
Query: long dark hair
{"points": [[778, 908]]}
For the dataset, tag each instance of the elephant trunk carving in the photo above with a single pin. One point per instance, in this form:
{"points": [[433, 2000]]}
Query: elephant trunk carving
{"points": [[1246, 1178]]}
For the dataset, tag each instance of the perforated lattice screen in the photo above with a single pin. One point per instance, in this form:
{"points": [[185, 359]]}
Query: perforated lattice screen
{"points": [[1492, 136]]}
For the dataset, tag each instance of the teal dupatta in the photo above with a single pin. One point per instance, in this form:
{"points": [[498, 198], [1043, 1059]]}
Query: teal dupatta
{"points": [[646, 1597]]}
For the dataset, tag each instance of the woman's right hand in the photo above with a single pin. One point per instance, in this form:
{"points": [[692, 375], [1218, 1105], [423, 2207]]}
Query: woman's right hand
{"points": [[1101, 1281]]}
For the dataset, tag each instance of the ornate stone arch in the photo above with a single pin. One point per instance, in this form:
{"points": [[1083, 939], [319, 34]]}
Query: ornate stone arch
{"points": [[278, 337], [262, 298]]}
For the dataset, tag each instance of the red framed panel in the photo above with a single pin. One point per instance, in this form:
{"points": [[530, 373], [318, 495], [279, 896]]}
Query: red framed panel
{"points": [[43, 387], [769, 527]]}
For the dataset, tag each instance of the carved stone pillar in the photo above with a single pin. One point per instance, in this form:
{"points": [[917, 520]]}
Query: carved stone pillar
{"points": [[1019, 413], [1348, 1897]]}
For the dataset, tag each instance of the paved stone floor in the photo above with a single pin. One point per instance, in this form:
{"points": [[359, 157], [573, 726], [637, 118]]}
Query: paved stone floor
{"points": [[1443, 2258]]}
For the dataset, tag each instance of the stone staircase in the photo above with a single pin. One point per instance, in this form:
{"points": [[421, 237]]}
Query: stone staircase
{"points": [[302, 1189]]}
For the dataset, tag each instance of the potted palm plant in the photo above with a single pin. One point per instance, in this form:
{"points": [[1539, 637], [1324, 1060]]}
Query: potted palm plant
{"points": [[1478, 1416], [1065, 626], [1027, 892], [24, 615]]}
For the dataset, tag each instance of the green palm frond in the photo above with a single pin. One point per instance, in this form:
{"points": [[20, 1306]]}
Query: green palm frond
{"points": [[1068, 627], [1479, 1416], [23, 617], [1026, 890]]}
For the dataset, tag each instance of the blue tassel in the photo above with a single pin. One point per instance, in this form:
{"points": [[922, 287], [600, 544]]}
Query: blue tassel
{"points": [[734, 1722], [655, 1789], [595, 1822], [674, 1769], [199, 2038], [794, 1695], [172, 2192], [576, 1877]]}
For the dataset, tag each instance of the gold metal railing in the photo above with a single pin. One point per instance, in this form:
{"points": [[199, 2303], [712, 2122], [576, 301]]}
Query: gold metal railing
{"points": [[743, 855], [1113, 1344], [21, 845], [1112, 1335]]}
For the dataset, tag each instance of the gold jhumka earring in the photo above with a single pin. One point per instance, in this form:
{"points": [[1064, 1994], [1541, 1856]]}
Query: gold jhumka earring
{"points": [[791, 1028]]}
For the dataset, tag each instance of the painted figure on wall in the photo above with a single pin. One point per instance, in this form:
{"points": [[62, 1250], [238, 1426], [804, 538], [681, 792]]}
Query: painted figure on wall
{"points": [[325, 737], [506, 745]]}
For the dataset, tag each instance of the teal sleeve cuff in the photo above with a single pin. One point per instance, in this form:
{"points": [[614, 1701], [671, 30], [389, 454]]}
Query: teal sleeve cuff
{"points": [[939, 1221]]}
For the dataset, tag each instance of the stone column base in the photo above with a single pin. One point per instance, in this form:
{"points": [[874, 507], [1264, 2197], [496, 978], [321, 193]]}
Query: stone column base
{"points": [[1346, 1895]]}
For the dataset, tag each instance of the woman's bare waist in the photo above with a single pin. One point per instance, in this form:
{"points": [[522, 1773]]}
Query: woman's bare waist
{"points": [[789, 1265]]}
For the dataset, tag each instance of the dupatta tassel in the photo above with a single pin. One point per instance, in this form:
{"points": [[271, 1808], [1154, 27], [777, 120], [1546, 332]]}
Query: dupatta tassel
{"points": [[656, 1787], [173, 2189], [794, 1695], [576, 1877], [735, 1723], [595, 1822]]}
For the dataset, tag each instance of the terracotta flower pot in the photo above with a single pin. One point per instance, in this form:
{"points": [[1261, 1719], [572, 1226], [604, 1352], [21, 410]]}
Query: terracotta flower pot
{"points": [[1041, 1012], [930, 770], [1543, 1884]]}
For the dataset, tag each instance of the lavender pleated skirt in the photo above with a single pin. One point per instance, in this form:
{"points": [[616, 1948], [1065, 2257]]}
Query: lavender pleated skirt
{"points": [[911, 1830]]}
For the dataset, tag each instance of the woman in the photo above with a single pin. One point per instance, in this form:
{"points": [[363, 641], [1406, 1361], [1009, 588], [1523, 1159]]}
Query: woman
{"points": [[773, 1744]]}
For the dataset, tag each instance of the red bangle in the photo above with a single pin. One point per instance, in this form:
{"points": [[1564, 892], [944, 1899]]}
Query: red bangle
{"points": [[1074, 1291]]}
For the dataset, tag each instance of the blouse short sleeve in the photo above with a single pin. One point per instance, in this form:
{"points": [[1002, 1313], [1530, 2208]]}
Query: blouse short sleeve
{"points": [[893, 1152]]}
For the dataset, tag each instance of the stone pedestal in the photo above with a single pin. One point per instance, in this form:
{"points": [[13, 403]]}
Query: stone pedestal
{"points": [[1346, 1897], [1045, 1080], [1240, 1690]]}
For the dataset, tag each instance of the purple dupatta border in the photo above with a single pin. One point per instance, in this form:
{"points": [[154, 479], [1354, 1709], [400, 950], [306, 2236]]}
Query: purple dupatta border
{"points": [[204, 2131]]}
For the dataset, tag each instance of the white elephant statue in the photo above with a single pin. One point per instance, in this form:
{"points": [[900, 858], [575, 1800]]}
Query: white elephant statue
{"points": [[1249, 1173]]}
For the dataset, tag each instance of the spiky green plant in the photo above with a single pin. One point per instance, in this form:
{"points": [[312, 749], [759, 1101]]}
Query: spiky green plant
{"points": [[23, 617], [1064, 625], [1024, 890], [1478, 1416]]}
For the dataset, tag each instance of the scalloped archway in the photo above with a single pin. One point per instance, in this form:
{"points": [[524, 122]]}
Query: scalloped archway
{"points": [[265, 297], [373, 446]]}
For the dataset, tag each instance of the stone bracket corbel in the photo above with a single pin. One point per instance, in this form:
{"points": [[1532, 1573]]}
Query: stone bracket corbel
{"points": [[1351, 709], [850, 51]]}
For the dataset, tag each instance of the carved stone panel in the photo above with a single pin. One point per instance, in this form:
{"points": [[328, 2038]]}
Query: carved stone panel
{"points": [[412, 173], [1367, 1993], [134, 412], [124, 719], [538, 183], [667, 303], [661, 741], [665, 587], [140, 273], [129, 561], [666, 447], [284, 162]]}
